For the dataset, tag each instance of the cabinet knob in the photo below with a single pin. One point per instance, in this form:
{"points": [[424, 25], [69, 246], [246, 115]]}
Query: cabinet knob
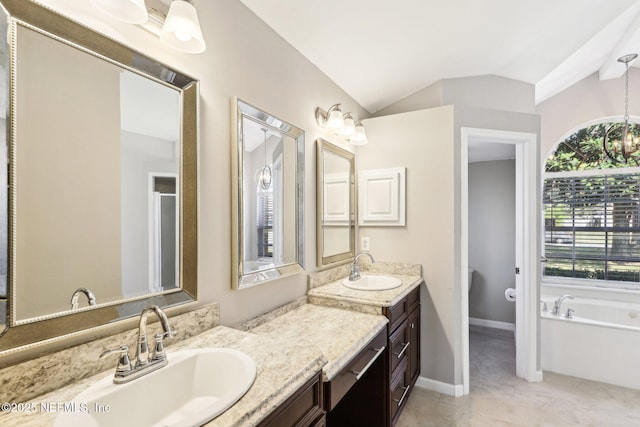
{"points": [[412, 325]]}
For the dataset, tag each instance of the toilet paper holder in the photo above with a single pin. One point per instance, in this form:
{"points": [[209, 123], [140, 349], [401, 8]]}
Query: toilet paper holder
{"points": [[510, 294]]}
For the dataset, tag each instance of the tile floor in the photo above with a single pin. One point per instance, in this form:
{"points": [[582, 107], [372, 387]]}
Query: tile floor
{"points": [[499, 398]]}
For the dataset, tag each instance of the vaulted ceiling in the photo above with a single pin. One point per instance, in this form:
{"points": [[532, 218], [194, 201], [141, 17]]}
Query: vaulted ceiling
{"points": [[380, 51]]}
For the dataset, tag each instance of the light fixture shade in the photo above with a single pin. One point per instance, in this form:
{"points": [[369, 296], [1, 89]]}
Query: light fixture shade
{"points": [[360, 137], [349, 127], [129, 11], [181, 29], [335, 119]]}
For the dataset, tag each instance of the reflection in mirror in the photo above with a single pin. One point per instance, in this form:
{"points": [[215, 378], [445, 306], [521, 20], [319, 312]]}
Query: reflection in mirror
{"points": [[268, 159], [101, 185], [102, 194], [335, 204]]}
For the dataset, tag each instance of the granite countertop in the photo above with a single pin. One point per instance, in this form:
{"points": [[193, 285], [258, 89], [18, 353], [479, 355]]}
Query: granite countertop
{"points": [[338, 334], [283, 365], [337, 291]]}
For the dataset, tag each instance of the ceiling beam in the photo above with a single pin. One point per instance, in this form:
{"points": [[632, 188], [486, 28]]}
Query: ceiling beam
{"points": [[628, 43]]}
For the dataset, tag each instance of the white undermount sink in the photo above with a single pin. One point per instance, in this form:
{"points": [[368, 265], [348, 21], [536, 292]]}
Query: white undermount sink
{"points": [[195, 387], [373, 283]]}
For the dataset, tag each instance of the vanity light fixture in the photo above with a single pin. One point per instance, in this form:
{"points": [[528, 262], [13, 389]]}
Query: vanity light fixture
{"points": [[332, 119], [344, 125], [181, 29], [621, 150], [178, 27], [360, 137], [349, 128], [129, 11]]}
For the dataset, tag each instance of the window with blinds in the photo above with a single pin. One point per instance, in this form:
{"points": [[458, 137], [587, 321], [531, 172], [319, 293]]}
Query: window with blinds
{"points": [[592, 225], [265, 224]]}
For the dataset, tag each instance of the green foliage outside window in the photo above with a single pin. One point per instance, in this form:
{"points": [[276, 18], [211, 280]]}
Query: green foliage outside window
{"points": [[592, 222]]}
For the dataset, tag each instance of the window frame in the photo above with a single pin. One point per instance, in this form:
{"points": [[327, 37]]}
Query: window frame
{"points": [[578, 281]]}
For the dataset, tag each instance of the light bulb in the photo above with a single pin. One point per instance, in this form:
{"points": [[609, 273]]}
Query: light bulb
{"points": [[182, 36], [349, 128]]}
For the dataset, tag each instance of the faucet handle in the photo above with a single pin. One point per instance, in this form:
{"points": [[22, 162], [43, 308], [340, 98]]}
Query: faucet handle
{"points": [[569, 313], [124, 363], [158, 350]]}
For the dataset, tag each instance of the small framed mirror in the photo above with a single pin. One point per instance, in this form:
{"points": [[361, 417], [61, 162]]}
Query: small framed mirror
{"points": [[336, 207], [267, 196]]}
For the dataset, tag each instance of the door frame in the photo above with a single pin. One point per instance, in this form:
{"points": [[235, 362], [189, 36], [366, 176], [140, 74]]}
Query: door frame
{"points": [[527, 249]]}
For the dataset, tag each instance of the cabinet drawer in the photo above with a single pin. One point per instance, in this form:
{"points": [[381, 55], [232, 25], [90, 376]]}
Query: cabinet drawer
{"points": [[399, 312], [303, 409], [359, 364], [399, 346], [399, 390]]}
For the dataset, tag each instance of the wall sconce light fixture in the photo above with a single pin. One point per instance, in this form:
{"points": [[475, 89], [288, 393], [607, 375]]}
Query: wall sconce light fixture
{"points": [[179, 27], [344, 125]]}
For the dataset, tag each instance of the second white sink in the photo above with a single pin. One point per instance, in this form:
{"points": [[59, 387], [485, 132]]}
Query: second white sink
{"points": [[195, 387], [373, 283]]}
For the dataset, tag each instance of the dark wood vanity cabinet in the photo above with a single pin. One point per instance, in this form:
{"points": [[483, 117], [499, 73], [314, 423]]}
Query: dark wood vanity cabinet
{"points": [[303, 409], [404, 351]]}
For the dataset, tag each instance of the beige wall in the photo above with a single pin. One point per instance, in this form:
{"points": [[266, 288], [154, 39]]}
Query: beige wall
{"points": [[488, 92], [244, 58], [423, 142], [589, 100], [495, 103]]}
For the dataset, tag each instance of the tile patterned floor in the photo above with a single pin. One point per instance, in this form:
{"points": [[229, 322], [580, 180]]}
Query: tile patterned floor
{"points": [[499, 398]]}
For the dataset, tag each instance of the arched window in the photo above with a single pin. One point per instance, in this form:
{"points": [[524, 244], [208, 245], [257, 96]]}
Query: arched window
{"points": [[591, 200]]}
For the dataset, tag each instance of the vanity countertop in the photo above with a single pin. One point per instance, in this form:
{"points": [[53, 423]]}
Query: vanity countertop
{"points": [[283, 365], [339, 334], [336, 294]]}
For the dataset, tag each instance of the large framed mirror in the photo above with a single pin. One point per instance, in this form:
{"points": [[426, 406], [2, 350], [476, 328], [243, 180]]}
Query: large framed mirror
{"points": [[102, 200], [267, 196], [336, 206]]}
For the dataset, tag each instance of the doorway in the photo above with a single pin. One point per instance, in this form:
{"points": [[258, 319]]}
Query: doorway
{"points": [[526, 249]]}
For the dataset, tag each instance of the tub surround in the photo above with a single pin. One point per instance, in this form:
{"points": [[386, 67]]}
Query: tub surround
{"points": [[283, 366], [611, 328], [35, 377], [338, 334]]}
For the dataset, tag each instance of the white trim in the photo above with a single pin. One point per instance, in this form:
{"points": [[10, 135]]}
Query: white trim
{"points": [[527, 255], [593, 172], [492, 324], [455, 390]]}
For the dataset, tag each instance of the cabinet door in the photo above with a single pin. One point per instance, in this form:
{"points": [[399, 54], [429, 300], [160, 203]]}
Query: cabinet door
{"points": [[303, 409], [413, 327], [399, 346], [398, 391]]}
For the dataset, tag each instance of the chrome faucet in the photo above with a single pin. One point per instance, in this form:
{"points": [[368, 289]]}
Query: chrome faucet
{"points": [[558, 303], [144, 362], [354, 274], [91, 298]]}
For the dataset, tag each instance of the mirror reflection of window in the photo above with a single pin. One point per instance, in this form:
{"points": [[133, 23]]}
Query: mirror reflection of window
{"points": [[267, 201]]}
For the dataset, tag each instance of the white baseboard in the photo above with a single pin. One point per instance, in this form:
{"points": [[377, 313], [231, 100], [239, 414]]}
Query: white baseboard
{"points": [[455, 390], [492, 324]]}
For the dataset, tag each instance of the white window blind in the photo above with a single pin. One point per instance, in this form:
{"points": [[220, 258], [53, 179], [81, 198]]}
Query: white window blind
{"points": [[592, 226], [265, 224]]}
